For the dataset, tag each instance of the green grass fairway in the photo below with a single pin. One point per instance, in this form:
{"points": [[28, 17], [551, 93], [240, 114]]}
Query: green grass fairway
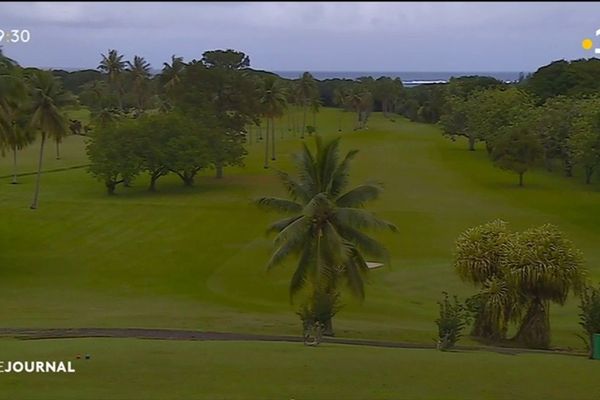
{"points": [[195, 257], [145, 369]]}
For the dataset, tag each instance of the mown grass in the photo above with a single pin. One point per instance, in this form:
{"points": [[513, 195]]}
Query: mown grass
{"points": [[148, 369], [195, 257]]}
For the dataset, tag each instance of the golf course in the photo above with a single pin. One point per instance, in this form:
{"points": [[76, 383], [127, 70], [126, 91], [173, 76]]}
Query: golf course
{"points": [[195, 258]]}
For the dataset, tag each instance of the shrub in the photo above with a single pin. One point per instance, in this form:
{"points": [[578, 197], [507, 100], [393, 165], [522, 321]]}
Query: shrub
{"points": [[589, 316], [454, 316], [316, 314]]}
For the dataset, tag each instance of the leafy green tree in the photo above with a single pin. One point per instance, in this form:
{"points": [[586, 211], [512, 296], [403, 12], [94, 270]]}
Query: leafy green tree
{"points": [[544, 267], [555, 121], [186, 150], [584, 142], [220, 88], [112, 151], [47, 118], [456, 121], [113, 66], [493, 110], [325, 224], [516, 149]]}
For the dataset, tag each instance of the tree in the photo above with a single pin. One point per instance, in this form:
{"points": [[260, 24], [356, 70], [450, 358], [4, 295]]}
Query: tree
{"points": [[340, 100], [325, 224], [273, 101], [113, 155], [15, 133], [544, 267], [555, 121], [493, 110], [139, 70], [113, 65], [361, 101], [516, 149], [221, 89], [478, 260], [584, 142], [307, 90], [47, 118], [455, 122], [171, 73]]}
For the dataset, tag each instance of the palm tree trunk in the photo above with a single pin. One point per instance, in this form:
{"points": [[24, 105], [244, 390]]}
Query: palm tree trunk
{"points": [[340, 120], [535, 329], [14, 179], [219, 170], [57, 149], [303, 121], [272, 139], [266, 165], [36, 194], [521, 178]]}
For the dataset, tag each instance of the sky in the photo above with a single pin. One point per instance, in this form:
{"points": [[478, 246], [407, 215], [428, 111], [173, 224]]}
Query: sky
{"points": [[289, 36]]}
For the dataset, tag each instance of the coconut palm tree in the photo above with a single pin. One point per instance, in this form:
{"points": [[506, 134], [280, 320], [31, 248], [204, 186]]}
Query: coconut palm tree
{"points": [[139, 70], [171, 73], [113, 65], [14, 132], [325, 223], [315, 105], [47, 95], [544, 267], [273, 102], [307, 88], [339, 99]]}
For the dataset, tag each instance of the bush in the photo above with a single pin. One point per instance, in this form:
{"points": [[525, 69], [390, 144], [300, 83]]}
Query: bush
{"points": [[589, 316], [316, 315], [454, 316]]}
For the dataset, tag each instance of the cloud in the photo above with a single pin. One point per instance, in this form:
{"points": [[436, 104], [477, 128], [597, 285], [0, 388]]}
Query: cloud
{"points": [[327, 35]]}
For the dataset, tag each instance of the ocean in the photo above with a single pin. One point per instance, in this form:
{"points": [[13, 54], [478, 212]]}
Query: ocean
{"points": [[408, 78]]}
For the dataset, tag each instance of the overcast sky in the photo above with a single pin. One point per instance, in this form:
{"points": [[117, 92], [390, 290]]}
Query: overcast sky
{"points": [[308, 36]]}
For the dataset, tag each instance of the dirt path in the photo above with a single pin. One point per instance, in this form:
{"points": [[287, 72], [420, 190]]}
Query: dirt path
{"points": [[179, 334]]}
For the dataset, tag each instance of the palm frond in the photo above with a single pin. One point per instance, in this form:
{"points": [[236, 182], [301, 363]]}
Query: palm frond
{"points": [[278, 204], [296, 190], [307, 171], [280, 225], [361, 219], [360, 195], [364, 242], [339, 179], [305, 264]]}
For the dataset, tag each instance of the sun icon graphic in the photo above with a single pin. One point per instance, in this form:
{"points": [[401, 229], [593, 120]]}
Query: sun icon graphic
{"points": [[587, 44]]}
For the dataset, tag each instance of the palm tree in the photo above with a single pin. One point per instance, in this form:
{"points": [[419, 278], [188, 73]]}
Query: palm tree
{"points": [[543, 266], [139, 70], [339, 99], [47, 118], [361, 100], [273, 102], [113, 65], [307, 88], [171, 73], [315, 105], [325, 223], [14, 134]]}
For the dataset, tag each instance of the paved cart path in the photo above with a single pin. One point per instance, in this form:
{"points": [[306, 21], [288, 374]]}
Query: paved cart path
{"points": [[180, 334]]}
